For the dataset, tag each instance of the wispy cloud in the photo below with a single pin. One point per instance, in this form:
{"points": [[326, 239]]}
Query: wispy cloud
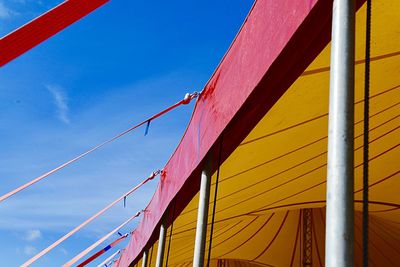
{"points": [[61, 102], [63, 251], [5, 12], [30, 250], [80, 191], [33, 235]]}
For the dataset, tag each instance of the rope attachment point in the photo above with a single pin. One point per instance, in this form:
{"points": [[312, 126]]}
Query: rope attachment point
{"points": [[153, 175], [188, 97]]}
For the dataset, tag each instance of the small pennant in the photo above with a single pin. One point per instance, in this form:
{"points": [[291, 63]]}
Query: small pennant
{"points": [[147, 128]]}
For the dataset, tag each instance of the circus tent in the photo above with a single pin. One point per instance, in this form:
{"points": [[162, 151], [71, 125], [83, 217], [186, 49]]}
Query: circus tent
{"points": [[262, 120], [260, 130]]}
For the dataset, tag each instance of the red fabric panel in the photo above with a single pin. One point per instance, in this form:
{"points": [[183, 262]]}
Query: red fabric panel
{"points": [[44, 26], [276, 43]]}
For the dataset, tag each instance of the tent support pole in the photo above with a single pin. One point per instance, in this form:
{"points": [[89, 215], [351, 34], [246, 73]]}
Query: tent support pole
{"points": [[161, 244], [145, 253], [339, 245], [202, 215]]}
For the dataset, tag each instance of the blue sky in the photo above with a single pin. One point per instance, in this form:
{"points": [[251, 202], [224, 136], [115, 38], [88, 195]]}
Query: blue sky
{"points": [[112, 69]]}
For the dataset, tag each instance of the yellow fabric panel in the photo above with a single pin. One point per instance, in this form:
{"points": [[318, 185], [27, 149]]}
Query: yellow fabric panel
{"points": [[280, 168], [152, 255]]}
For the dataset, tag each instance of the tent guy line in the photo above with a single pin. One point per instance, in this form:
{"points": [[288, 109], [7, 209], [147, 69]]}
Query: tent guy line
{"points": [[76, 229], [186, 100], [84, 252]]}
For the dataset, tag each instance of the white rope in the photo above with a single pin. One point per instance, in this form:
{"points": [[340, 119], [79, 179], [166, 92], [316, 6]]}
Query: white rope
{"points": [[84, 252], [76, 229], [108, 260]]}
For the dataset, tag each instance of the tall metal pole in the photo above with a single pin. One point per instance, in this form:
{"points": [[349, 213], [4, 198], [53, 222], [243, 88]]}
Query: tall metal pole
{"points": [[144, 262], [202, 215], [339, 245], [161, 245]]}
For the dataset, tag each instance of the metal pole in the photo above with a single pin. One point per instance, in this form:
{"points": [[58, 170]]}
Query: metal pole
{"points": [[161, 245], [144, 262], [202, 215], [339, 245]]}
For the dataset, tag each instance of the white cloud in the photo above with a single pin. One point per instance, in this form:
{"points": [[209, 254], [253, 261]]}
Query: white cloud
{"points": [[63, 251], [61, 102], [5, 12], [72, 195], [33, 235], [30, 250]]}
